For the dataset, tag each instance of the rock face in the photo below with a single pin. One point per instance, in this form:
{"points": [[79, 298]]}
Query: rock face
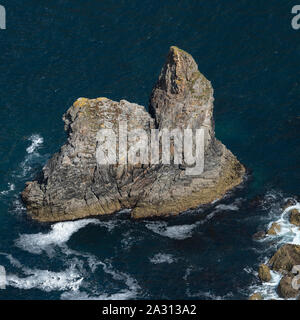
{"points": [[74, 185]]}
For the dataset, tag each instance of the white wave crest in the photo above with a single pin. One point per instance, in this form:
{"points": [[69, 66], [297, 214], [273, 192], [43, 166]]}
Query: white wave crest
{"points": [[45, 280], [36, 142], [174, 232], [11, 187], [162, 258], [60, 233], [288, 233], [130, 292]]}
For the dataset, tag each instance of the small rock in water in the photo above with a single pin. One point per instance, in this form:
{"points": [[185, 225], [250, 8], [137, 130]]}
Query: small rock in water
{"points": [[264, 273], [259, 235], [295, 217], [256, 296], [275, 229]]}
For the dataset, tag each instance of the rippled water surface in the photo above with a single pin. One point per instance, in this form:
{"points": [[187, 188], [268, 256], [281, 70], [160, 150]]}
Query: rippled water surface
{"points": [[52, 54]]}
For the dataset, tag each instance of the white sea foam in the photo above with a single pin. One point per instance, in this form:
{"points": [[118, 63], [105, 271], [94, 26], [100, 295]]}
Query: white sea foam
{"points": [[209, 295], [33, 278], [11, 187], [288, 233], [174, 232], [228, 207], [73, 282], [32, 156], [180, 232], [125, 294], [268, 289], [60, 233], [130, 292], [46, 280], [36, 142], [162, 258]]}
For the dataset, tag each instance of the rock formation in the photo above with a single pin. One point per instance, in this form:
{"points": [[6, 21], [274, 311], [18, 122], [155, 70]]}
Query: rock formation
{"points": [[274, 229], [264, 273], [74, 185], [295, 217], [283, 261], [256, 296], [285, 258]]}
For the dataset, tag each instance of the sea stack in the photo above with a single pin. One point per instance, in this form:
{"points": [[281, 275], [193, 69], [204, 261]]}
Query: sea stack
{"points": [[75, 185]]}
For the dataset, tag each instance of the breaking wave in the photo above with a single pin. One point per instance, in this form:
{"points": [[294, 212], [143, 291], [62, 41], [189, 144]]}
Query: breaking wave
{"points": [[162, 258], [179, 232], [60, 233], [73, 282]]}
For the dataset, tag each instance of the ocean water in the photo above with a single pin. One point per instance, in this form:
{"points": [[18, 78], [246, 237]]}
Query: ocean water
{"points": [[53, 53]]}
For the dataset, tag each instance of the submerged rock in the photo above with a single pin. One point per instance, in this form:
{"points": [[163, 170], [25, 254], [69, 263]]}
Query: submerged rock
{"points": [[74, 185], [259, 235], [264, 273]]}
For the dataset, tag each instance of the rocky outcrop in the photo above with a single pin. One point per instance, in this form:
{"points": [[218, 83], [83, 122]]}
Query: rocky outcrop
{"points": [[259, 235], [295, 217], [285, 258], [75, 185], [264, 273], [283, 261], [285, 288], [274, 229], [256, 296]]}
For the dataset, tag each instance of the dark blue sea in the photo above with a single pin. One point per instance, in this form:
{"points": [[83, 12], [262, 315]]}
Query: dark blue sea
{"points": [[53, 52]]}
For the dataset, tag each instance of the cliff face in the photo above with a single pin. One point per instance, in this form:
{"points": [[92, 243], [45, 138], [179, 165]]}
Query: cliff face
{"points": [[75, 185]]}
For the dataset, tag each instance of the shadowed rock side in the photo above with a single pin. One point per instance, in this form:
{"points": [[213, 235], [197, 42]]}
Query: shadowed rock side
{"points": [[74, 185]]}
